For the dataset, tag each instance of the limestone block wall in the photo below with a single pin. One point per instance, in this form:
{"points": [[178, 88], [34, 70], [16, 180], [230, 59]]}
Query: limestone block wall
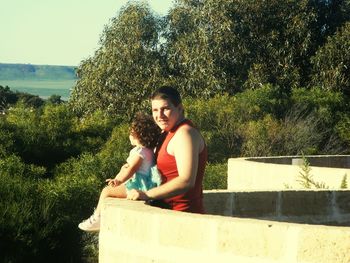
{"points": [[132, 231], [279, 173], [312, 207]]}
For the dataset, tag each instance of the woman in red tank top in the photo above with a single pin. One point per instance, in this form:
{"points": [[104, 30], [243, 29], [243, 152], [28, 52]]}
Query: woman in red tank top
{"points": [[181, 156]]}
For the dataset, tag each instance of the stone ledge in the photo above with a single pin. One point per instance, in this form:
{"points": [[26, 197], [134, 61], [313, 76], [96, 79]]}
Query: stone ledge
{"points": [[135, 232], [254, 174], [299, 206]]}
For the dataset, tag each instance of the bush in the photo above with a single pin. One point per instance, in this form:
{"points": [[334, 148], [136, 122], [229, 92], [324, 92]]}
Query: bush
{"points": [[343, 130], [218, 122], [20, 226], [326, 104], [52, 134], [215, 176], [331, 62], [39, 218], [7, 139], [295, 134], [114, 153]]}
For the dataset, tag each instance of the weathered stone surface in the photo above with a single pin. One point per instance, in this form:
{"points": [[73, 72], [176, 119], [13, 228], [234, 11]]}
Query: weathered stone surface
{"points": [[305, 203], [342, 199], [256, 204]]}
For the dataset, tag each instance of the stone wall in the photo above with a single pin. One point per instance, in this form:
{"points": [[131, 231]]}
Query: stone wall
{"points": [[278, 173], [259, 220], [135, 232], [310, 207]]}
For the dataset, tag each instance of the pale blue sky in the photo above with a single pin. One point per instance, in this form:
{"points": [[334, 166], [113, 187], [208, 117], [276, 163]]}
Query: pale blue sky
{"points": [[57, 32]]}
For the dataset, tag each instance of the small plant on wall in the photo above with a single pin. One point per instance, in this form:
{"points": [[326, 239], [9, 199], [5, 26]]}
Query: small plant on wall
{"points": [[344, 182], [305, 177]]}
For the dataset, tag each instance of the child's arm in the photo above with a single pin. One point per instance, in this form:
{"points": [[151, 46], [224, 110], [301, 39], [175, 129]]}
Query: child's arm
{"points": [[127, 170]]}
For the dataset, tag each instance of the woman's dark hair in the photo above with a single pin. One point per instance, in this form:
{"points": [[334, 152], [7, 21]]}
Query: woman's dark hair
{"points": [[167, 93], [145, 130]]}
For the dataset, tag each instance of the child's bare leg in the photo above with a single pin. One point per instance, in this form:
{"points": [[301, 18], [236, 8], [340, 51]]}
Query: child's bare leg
{"points": [[93, 222], [110, 191]]}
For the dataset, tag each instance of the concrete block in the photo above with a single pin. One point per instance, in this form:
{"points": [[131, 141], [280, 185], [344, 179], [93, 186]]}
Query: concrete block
{"points": [[137, 225], [218, 203], [306, 203], [324, 245], [255, 204], [342, 199], [185, 231], [251, 239]]}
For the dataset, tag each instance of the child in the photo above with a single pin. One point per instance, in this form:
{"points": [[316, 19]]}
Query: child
{"points": [[139, 171]]}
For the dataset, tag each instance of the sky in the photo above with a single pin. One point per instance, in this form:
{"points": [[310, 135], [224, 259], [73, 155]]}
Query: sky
{"points": [[57, 32]]}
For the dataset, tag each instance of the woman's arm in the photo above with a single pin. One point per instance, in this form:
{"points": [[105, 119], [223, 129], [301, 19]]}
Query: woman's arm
{"points": [[127, 170]]}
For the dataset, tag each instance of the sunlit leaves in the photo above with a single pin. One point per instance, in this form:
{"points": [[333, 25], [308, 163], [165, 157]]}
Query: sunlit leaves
{"points": [[126, 67]]}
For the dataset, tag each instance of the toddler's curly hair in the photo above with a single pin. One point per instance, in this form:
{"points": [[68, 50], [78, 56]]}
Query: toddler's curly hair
{"points": [[145, 130]]}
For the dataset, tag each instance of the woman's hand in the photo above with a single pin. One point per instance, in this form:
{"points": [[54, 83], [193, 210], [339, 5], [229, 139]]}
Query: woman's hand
{"points": [[137, 195], [113, 182]]}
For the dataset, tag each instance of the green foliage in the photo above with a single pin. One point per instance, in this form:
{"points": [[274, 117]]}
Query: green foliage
{"points": [[125, 69], [52, 134], [7, 97], [42, 137], [115, 151], [13, 166], [342, 128], [344, 182], [324, 102], [215, 176], [327, 109], [243, 68], [54, 99], [190, 59], [216, 46], [207, 48], [267, 99], [305, 177], [218, 122], [38, 218], [294, 134], [331, 64], [7, 141]]}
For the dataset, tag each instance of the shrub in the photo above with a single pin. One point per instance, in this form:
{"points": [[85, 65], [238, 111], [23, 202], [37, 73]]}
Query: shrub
{"points": [[115, 151], [215, 176], [218, 122], [38, 218], [269, 137]]}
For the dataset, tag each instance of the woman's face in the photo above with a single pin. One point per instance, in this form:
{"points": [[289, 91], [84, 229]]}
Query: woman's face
{"points": [[165, 114]]}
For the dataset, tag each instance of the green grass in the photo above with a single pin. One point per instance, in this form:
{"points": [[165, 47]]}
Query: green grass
{"points": [[42, 88]]}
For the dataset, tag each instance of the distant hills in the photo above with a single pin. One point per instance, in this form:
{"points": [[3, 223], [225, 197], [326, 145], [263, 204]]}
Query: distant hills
{"points": [[36, 72]]}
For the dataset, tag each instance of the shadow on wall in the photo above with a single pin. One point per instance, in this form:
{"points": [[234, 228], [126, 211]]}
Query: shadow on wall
{"points": [[310, 207]]}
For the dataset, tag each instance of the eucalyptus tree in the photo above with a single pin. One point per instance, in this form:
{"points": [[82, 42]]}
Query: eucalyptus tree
{"points": [[331, 15], [191, 62], [331, 64], [229, 45], [126, 67]]}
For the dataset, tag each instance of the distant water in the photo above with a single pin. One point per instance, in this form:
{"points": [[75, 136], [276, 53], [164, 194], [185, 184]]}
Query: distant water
{"points": [[42, 88]]}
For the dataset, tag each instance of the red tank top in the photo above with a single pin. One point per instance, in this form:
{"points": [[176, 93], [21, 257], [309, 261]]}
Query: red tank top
{"points": [[192, 200]]}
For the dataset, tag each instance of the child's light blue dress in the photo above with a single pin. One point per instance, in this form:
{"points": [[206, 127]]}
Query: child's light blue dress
{"points": [[147, 176]]}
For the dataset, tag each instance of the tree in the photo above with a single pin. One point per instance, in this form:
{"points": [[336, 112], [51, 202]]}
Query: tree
{"points": [[331, 15], [6, 97], [220, 45], [54, 99], [331, 64], [125, 69], [192, 64]]}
